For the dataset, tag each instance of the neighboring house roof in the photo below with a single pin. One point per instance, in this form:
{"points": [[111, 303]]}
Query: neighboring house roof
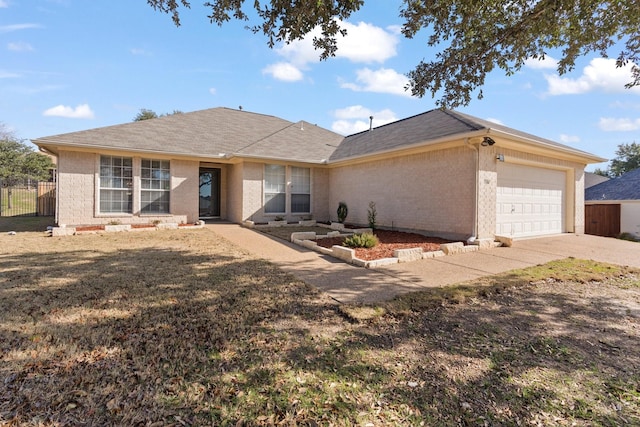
{"points": [[624, 187], [591, 179], [432, 127], [225, 133], [215, 132]]}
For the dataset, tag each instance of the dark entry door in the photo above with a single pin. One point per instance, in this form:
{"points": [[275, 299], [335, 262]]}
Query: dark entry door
{"points": [[209, 192]]}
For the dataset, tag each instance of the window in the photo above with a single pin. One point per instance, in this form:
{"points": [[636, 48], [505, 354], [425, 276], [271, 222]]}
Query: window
{"points": [[300, 190], [274, 189], [155, 183], [115, 184]]}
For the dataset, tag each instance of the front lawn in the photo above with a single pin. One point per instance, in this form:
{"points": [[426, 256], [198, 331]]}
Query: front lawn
{"points": [[178, 327]]}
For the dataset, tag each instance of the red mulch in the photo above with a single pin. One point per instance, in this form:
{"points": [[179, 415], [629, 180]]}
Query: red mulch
{"points": [[90, 228], [389, 241]]}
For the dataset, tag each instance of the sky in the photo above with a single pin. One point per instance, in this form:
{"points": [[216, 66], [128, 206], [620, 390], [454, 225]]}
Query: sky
{"points": [[70, 65]]}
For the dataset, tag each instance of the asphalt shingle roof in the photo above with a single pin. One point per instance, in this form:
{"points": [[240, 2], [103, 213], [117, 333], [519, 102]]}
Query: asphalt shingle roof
{"points": [[210, 132], [222, 131], [423, 129], [625, 187]]}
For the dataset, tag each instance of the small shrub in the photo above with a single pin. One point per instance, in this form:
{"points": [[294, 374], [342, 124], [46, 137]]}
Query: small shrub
{"points": [[372, 215], [114, 222], [342, 212], [364, 240], [628, 236]]}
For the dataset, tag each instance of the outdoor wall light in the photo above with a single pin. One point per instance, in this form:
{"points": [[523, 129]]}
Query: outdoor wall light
{"points": [[500, 157], [487, 141]]}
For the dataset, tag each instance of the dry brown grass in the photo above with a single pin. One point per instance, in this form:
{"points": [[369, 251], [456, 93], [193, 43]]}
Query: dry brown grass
{"points": [[181, 328]]}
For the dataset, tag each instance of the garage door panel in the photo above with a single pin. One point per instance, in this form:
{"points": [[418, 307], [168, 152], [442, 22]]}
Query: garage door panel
{"points": [[529, 201]]}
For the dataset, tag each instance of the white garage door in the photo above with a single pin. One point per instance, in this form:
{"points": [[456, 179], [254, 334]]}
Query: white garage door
{"points": [[530, 201]]}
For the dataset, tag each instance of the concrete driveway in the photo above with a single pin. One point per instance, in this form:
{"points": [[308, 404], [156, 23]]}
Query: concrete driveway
{"points": [[349, 284]]}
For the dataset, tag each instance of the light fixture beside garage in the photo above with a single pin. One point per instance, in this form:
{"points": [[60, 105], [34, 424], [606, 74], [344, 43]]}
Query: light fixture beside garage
{"points": [[500, 157]]}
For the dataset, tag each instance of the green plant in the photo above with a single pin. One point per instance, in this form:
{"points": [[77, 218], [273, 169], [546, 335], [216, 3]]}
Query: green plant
{"points": [[279, 218], [628, 236], [364, 240], [372, 215], [115, 222], [342, 212], [156, 222]]}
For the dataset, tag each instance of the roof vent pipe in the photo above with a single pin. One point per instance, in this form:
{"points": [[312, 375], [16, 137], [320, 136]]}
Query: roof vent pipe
{"points": [[370, 123]]}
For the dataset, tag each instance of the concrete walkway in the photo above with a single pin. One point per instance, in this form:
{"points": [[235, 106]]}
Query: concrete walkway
{"points": [[350, 284]]}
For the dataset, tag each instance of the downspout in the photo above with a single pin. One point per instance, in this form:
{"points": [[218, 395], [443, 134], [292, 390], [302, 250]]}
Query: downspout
{"points": [[475, 148]]}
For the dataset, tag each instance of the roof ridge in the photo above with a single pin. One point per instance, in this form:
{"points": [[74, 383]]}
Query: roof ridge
{"points": [[465, 119]]}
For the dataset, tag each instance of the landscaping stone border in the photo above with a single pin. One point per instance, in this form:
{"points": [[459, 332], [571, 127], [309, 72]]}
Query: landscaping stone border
{"points": [[307, 239], [118, 228]]}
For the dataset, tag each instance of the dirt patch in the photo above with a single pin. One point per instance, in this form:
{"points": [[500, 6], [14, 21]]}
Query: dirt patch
{"points": [[389, 241]]}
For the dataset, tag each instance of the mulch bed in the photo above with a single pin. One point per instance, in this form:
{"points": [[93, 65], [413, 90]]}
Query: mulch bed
{"points": [[389, 241]]}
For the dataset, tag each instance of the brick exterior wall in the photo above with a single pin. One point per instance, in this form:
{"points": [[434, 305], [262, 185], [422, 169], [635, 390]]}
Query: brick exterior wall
{"points": [[433, 192], [252, 191], [79, 187], [487, 184], [185, 179], [76, 188], [234, 192], [320, 194]]}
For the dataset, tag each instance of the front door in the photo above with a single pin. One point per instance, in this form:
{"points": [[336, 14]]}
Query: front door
{"points": [[209, 193]]}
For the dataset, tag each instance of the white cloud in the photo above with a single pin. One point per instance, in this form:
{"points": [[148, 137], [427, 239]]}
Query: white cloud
{"points": [[383, 80], [548, 63], [20, 47], [17, 27], [601, 74], [609, 124], [567, 139], [212, 90], [364, 43], [82, 111], [494, 120], [8, 75], [284, 71], [355, 118], [138, 51], [3, 4]]}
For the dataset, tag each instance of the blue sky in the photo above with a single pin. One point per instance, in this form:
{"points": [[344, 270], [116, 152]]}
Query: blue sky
{"points": [[69, 65]]}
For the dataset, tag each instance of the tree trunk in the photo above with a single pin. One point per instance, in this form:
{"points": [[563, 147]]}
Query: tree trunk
{"points": [[9, 204]]}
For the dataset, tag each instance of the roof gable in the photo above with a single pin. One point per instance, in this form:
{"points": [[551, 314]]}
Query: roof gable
{"points": [[625, 187]]}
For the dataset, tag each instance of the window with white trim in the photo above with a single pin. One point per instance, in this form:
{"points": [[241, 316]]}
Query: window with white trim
{"points": [[275, 187], [116, 180], [300, 190], [155, 186]]}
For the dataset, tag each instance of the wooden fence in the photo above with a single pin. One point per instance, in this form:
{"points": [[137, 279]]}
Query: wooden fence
{"points": [[602, 220]]}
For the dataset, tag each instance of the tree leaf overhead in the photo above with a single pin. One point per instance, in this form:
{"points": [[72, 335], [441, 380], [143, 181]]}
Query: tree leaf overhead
{"points": [[472, 38]]}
